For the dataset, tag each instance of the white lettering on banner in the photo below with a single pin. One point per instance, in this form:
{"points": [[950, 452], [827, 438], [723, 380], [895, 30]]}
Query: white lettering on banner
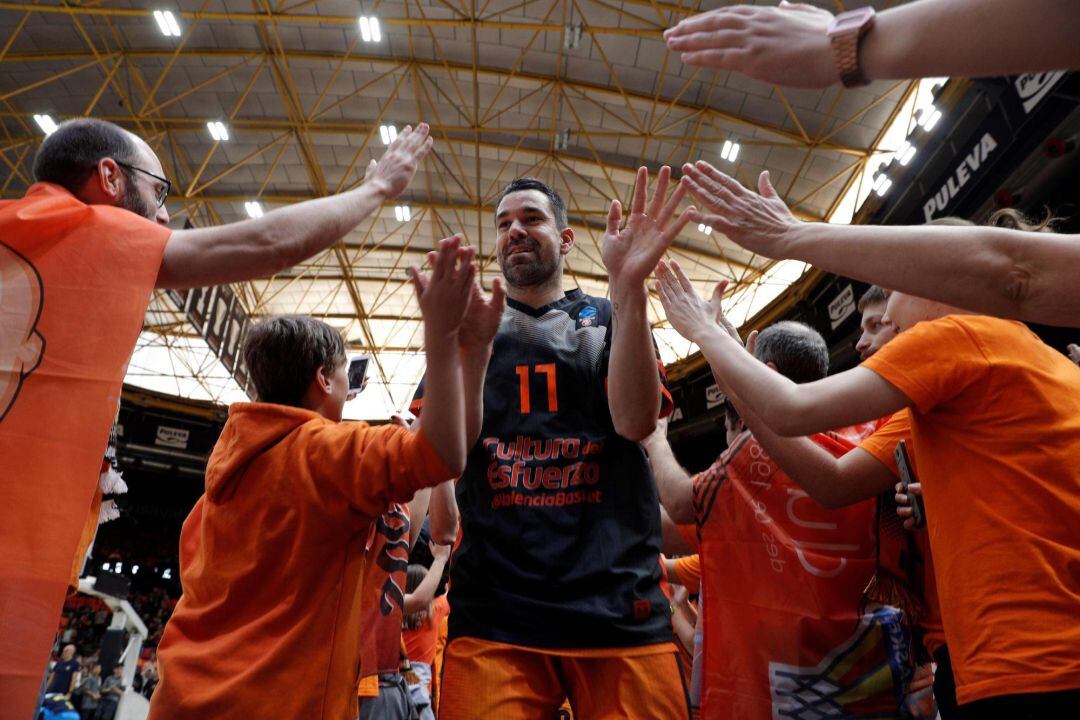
{"points": [[676, 415], [713, 396], [1033, 87], [967, 168], [172, 437], [842, 306]]}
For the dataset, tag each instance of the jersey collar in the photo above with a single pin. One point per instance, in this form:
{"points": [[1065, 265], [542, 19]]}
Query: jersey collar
{"points": [[569, 298]]}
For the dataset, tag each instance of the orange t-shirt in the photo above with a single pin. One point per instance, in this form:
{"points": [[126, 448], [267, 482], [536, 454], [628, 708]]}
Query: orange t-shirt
{"points": [[420, 643], [882, 444], [75, 281], [996, 425], [689, 569], [271, 561], [386, 563]]}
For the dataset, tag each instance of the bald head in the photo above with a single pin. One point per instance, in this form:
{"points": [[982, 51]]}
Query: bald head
{"points": [[797, 351]]}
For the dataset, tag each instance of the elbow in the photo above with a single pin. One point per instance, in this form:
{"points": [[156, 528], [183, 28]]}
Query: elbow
{"points": [[444, 535], [636, 429], [681, 513]]}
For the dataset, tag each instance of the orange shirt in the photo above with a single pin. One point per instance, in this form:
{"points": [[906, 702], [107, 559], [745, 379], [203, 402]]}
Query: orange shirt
{"points": [[689, 569], [271, 560], [882, 444], [75, 281], [386, 561], [996, 424], [420, 643]]}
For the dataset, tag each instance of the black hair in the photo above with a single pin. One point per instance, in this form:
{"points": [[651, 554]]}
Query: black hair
{"points": [[558, 207], [284, 353], [68, 157], [797, 350], [873, 295]]}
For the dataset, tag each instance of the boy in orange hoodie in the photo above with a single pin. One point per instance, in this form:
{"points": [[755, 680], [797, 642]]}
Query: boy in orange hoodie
{"points": [[271, 556]]}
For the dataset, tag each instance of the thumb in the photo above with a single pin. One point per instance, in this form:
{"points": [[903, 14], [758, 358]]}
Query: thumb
{"points": [[751, 342], [614, 216], [765, 186], [370, 168]]}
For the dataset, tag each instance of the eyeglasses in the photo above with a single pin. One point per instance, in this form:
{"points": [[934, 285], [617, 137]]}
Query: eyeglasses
{"points": [[162, 192]]}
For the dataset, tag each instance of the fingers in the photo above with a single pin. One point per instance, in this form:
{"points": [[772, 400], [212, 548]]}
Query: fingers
{"points": [[715, 41], [446, 257], [662, 216], [723, 180], [672, 230], [751, 342], [370, 168], [614, 217], [718, 292], [902, 500], [681, 277], [720, 19], [498, 294], [419, 281], [657, 204], [637, 206]]}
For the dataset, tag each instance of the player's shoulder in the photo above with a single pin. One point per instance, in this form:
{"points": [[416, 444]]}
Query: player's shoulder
{"points": [[586, 310]]}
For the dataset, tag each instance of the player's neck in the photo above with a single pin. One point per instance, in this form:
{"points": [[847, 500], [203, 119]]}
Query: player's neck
{"points": [[537, 295]]}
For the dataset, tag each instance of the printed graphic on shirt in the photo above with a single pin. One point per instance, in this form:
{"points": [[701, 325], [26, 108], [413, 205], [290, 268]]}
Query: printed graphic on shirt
{"points": [[21, 345], [393, 557]]}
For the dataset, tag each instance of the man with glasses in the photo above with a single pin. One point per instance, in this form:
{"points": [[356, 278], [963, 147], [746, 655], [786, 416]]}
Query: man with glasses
{"points": [[79, 257]]}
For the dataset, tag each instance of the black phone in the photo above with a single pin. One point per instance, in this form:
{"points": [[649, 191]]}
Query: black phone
{"points": [[907, 476], [357, 374]]}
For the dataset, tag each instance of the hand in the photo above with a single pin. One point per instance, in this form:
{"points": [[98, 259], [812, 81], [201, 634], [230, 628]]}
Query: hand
{"points": [[658, 435], [630, 254], [904, 510], [787, 45], [687, 313], [759, 222], [444, 295], [399, 420], [1074, 353], [680, 596], [716, 303], [481, 321], [394, 171], [440, 552]]}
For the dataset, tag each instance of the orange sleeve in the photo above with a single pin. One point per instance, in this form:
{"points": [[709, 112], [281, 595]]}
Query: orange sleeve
{"points": [[689, 569], [882, 444], [375, 466], [932, 362], [689, 534]]}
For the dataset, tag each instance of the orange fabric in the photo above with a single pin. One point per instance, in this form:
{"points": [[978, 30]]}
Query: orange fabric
{"points": [[420, 644], [483, 679], [75, 281], [386, 561], [440, 655], [368, 687], [689, 569], [882, 444], [689, 534], [86, 538], [996, 425], [783, 578], [271, 560]]}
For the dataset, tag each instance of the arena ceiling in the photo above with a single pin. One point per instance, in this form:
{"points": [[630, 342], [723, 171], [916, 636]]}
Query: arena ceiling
{"points": [[576, 92]]}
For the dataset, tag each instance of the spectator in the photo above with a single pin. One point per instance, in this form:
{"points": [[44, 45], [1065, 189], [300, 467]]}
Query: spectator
{"points": [[112, 689], [90, 691], [421, 626], [65, 673]]}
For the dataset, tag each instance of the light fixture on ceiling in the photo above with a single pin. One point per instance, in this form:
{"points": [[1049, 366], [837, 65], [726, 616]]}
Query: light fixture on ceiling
{"points": [[905, 152], [218, 131], [134, 569], [388, 134], [730, 150], [46, 123], [369, 29], [703, 228], [928, 117], [572, 36], [882, 184], [166, 22], [254, 209], [402, 213], [562, 140]]}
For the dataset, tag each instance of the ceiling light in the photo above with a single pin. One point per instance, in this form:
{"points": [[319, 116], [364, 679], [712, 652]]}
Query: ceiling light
{"points": [[218, 131], [572, 36], [167, 575], [134, 569], [730, 151], [702, 227], [882, 184], [105, 566], [46, 123], [929, 117], [403, 213], [119, 567], [905, 152], [167, 23], [369, 29], [388, 133], [254, 209]]}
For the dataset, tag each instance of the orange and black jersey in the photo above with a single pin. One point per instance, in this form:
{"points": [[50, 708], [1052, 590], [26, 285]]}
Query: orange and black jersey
{"points": [[560, 515]]}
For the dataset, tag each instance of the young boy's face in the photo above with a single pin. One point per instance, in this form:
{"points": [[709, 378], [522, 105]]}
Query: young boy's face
{"points": [[339, 391]]}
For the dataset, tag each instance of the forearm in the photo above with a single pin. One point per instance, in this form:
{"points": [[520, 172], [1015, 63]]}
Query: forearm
{"points": [[673, 483], [474, 365], [443, 512], [266, 245], [633, 381], [418, 510], [425, 591], [683, 628], [443, 419], [920, 39], [1006, 273]]}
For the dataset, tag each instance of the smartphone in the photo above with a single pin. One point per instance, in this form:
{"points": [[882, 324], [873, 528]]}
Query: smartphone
{"points": [[357, 374], [907, 476]]}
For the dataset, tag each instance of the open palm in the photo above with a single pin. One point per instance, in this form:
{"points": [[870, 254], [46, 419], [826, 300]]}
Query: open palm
{"points": [[481, 321], [631, 254]]}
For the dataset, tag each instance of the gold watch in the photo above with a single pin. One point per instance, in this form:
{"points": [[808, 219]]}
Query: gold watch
{"points": [[846, 31]]}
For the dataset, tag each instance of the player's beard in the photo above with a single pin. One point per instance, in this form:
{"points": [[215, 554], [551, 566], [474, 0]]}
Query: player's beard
{"points": [[528, 275], [133, 201]]}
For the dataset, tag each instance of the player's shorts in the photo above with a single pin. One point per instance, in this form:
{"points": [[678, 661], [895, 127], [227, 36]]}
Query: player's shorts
{"points": [[489, 680]]}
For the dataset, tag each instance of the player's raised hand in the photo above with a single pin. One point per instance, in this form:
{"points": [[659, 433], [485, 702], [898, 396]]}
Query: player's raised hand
{"points": [[686, 311], [481, 321], [759, 221], [631, 254], [396, 168], [444, 293]]}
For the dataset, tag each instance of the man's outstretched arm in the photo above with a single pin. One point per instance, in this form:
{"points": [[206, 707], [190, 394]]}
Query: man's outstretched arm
{"points": [[674, 485], [284, 237]]}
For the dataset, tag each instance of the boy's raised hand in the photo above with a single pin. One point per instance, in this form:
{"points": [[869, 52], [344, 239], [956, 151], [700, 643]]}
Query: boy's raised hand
{"points": [[444, 293]]}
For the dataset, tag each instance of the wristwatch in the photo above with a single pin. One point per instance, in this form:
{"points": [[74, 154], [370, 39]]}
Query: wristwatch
{"points": [[846, 31]]}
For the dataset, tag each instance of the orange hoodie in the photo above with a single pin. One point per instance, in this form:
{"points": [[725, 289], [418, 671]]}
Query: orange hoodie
{"points": [[271, 559]]}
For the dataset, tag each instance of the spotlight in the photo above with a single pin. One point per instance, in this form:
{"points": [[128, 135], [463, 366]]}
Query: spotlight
{"points": [[46, 123]]}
